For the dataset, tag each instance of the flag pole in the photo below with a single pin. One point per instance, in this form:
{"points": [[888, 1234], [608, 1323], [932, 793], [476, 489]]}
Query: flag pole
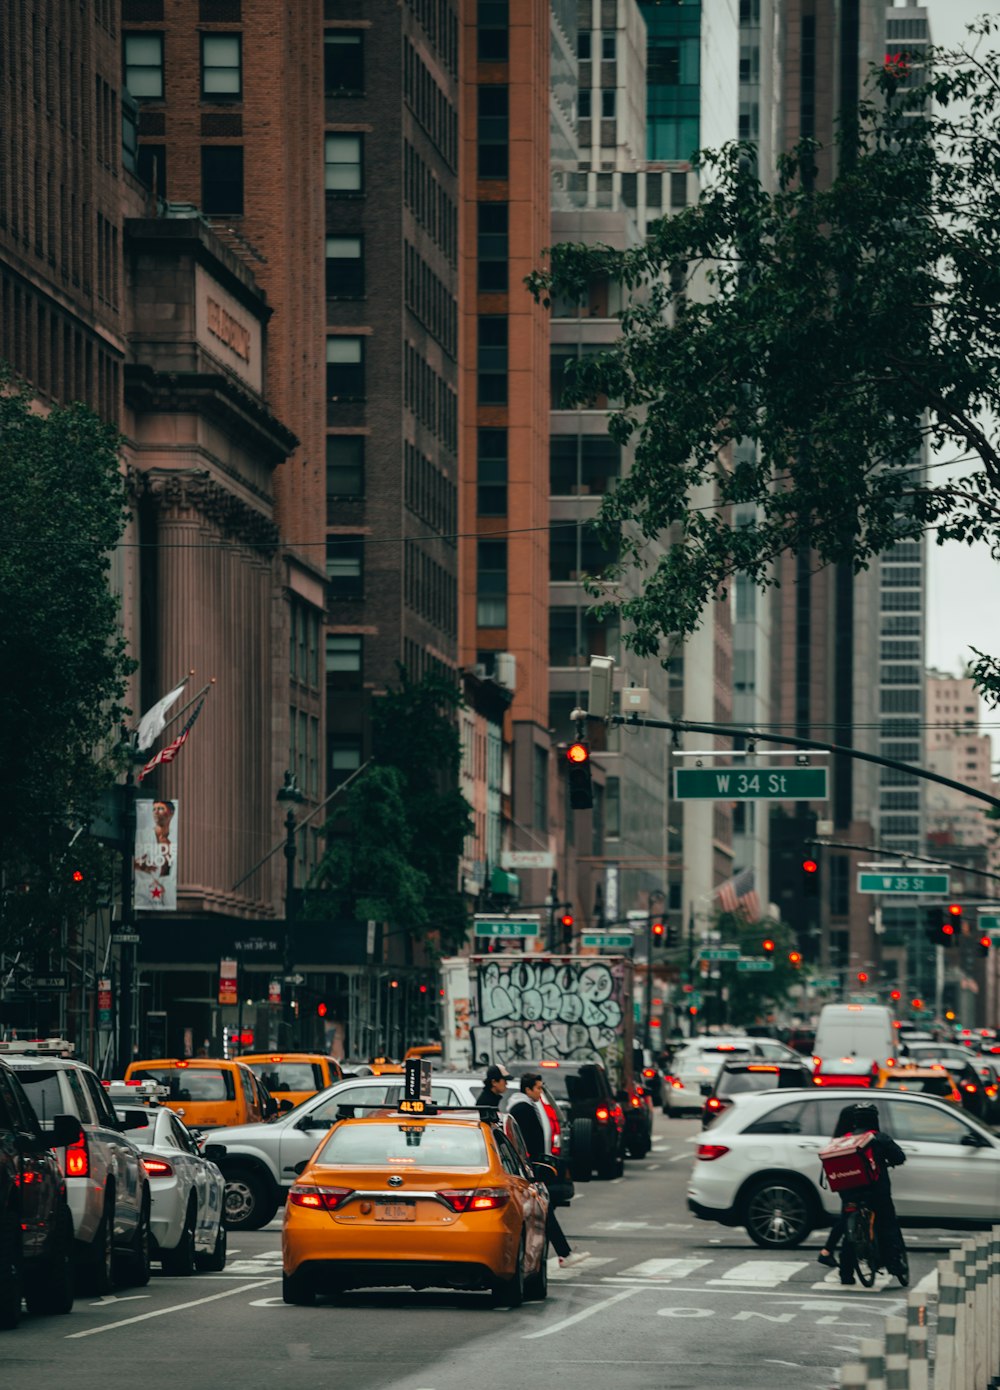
{"points": [[184, 708]]}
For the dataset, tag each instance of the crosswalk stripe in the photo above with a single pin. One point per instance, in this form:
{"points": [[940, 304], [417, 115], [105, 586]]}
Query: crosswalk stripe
{"points": [[768, 1272], [584, 1267], [664, 1269]]}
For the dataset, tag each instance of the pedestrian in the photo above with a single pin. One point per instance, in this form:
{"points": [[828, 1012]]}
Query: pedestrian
{"points": [[524, 1107], [857, 1119], [494, 1085]]}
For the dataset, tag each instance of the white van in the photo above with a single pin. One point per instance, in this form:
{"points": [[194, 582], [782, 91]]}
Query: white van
{"points": [[853, 1042]]}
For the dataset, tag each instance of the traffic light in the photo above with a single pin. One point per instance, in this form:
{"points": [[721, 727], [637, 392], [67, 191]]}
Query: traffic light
{"points": [[862, 977], [321, 1009], [810, 878], [566, 921], [673, 934], [657, 930], [985, 942], [795, 959], [76, 876], [895, 995], [767, 946], [581, 792]]}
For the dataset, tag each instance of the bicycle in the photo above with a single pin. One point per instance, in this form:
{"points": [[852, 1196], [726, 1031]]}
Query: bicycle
{"points": [[860, 1252]]}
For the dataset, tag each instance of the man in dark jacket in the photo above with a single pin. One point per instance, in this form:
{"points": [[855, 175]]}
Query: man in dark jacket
{"points": [[858, 1119], [524, 1109], [494, 1085]]}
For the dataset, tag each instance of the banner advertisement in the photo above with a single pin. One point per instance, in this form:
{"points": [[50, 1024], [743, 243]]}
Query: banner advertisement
{"points": [[274, 992], [155, 858], [104, 1005], [228, 982]]}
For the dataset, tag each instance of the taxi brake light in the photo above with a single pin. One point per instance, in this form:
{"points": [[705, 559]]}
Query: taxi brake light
{"points": [[180, 1064], [708, 1152], [157, 1167], [476, 1199], [319, 1198], [78, 1159]]}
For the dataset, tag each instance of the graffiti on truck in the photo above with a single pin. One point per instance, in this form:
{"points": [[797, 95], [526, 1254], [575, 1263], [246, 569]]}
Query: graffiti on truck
{"points": [[568, 1011]]}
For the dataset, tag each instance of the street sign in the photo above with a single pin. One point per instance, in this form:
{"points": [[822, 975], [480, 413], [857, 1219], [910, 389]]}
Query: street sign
{"points": [[527, 859], [719, 953], [752, 963], [988, 922], [125, 938], [42, 982], [825, 984], [637, 914], [938, 884], [693, 1000], [505, 926], [609, 941], [750, 784]]}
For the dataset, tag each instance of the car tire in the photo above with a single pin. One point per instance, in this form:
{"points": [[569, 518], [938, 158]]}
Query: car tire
{"points": [[133, 1266], [509, 1293], [536, 1286], [97, 1270], [298, 1289], [51, 1288], [778, 1212], [179, 1262], [11, 1271], [583, 1150], [248, 1204], [215, 1261]]}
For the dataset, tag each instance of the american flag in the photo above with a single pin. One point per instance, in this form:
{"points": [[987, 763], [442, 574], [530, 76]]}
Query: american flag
{"points": [[168, 754], [739, 896]]}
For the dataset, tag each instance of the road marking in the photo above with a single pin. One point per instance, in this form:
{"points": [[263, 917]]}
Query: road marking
{"points": [[664, 1269], [175, 1308], [770, 1272], [584, 1267], [577, 1317], [110, 1298], [651, 1167], [680, 1158], [928, 1284]]}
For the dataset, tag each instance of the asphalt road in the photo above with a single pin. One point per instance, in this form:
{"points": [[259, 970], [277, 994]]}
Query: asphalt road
{"points": [[664, 1301]]}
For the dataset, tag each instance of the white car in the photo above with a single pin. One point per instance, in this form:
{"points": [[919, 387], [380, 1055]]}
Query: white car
{"points": [[694, 1069], [758, 1166], [187, 1189]]}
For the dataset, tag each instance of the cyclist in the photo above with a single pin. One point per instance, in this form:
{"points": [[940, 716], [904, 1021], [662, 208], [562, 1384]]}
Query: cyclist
{"points": [[858, 1118]]}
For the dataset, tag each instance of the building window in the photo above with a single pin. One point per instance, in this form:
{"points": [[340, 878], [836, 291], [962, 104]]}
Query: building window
{"points": [[130, 136], [583, 104], [345, 558], [343, 653], [221, 67], [609, 46], [144, 66], [492, 30], [221, 179], [491, 472], [343, 171], [492, 133], [343, 63], [612, 808], [541, 788], [344, 757], [345, 267], [345, 469], [608, 104], [345, 368], [491, 584], [840, 885], [492, 248], [151, 167], [492, 359], [583, 45]]}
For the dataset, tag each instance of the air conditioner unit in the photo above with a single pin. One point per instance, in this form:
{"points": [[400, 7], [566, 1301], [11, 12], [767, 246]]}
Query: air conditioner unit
{"points": [[505, 670]]}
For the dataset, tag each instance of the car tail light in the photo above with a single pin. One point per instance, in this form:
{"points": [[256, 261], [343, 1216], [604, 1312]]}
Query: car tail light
{"points": [[548, 1064], [817, 1062], [636, 1101], [476, 1198], [556, 1127], [602, 1113], [713, 1103], [970, 1087], [617, 1113], [708, 1152], [957, 1095], [157, 1168], [649, 1071], [319, 1198], [677, 1083], [78, 1159]]}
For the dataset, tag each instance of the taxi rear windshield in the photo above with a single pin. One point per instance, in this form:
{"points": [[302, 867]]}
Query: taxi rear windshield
{"points": [[190, 1083], [406, 1146], [732, 1083], [288, 1076]]}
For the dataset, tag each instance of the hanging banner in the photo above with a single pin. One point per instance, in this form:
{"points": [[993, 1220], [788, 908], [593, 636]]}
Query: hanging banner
{"points": [[104, 1004], [274, 992], [155, 858], [228, 982]]}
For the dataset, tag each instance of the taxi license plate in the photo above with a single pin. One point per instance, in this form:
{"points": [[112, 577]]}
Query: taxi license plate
{"points": [[395, 1211]]}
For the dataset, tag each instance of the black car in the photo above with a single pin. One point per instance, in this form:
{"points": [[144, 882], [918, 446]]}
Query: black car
{"points": [[36, 1229], [648, 1072], [637, 1105], [736, 1078], [597, 1119], [961, 1063]]}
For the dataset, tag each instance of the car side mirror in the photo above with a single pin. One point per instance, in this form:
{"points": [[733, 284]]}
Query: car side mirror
{"points": [[65, 1131], [312, 1122], [544, 1172], [284, 1105], [214, 1152], [972, 1140]]}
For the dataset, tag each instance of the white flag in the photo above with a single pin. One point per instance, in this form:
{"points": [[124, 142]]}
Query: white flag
{"points": [[152, 723]]}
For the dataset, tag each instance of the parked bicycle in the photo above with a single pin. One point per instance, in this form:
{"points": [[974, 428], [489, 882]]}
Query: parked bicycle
{"points": [[860, 1252]]}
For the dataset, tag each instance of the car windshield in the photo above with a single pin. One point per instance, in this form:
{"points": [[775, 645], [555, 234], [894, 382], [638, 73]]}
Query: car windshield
{"points": [[287, 1076], [191, 1083], [405, 1146], [43, 1092]]}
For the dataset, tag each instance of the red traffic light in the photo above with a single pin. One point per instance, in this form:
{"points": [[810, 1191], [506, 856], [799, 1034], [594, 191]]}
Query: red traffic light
{"points": [[321, 1009], [986, 942], [77, 875], [423, 989], [917, 1003], [809, 866], [947, 929], [895, 995], [862, 977], [657, 928], [578, 753], [567, 919], [767, 945], [954, 909], [794, 958]]}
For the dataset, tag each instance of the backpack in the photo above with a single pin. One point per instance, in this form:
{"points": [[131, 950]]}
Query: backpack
{"points": [[851, 1162]]}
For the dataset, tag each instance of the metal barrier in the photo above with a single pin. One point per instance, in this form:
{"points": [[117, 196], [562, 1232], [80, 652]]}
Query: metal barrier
{"points": [[967, 1339]]}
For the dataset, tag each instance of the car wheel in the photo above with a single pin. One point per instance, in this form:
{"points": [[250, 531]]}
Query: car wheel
{"points": [[11, 1272], [133, 1264], [97, 1273], [215, 1262], [179, 1262], [536, 1286], [509, 1293], [51, 1289], [583, 1150], [298, 1288], [247, 1203], [777, 1213]]}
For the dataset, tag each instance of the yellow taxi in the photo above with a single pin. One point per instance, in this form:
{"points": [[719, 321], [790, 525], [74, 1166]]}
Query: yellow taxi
{"points": [[205, 1091], [431, 1200], [384, 1066], [293, 1076], [424, 1050], [932, 1080]]}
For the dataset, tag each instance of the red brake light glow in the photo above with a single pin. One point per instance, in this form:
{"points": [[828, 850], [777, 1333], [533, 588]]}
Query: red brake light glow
{"points": [[157, 1167], [78, 1159], [319, 1198], [649, 1071], [708, 1152], [548, 1064], [476, 1199], [602, 1113]]}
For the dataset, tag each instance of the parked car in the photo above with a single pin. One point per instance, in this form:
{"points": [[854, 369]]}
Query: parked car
{"points": [[36, 1228], [106, 1184], [758, 1166], [736, 1078], [596, 1114], [187, 1189]]}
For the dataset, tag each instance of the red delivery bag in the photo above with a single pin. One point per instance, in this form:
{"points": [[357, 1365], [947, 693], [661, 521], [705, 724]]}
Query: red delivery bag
{"points": [[851, 1162]]}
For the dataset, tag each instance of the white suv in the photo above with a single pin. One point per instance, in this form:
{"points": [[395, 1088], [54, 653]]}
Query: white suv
{"points": [[106, 1184]]}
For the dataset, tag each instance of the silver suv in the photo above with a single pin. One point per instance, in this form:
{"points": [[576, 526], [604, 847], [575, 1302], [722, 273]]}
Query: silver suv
{"points": [[106, 1184]]}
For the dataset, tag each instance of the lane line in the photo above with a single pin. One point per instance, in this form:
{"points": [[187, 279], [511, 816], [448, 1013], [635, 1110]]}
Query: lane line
{"points": [[175, 1308], [579, 1317]]}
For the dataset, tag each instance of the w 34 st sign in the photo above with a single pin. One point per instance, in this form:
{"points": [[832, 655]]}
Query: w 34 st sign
{"points": [[750, 784]]}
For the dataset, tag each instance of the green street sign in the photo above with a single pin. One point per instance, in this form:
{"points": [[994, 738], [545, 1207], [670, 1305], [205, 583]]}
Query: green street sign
{"points": [[750, 784], [752, 963], [506, 926], [719, 953], [609, 941], [693, 999], [988, 923], [826, 984], [938, 884]]}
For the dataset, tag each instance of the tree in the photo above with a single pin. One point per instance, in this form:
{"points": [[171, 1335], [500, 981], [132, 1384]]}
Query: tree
{"points": [[62, 654], [754, 994], [395, 849], [842, 328]]}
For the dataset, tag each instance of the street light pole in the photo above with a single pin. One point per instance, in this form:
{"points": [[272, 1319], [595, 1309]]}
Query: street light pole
{"points": [[290, 792], [654, 893]]}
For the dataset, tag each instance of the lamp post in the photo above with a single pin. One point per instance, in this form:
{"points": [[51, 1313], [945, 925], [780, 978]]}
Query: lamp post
{"points": [[290, 793], [653, 893]]}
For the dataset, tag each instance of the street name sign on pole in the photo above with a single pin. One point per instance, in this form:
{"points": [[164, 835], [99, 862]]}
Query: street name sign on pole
{"points": [[988, 922], [527, 859], [719, 953], [125, 938], [44, 982], [752, 963], [730, 783], [938, 884], [826, 984], [490, 924], [609, 941]]}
